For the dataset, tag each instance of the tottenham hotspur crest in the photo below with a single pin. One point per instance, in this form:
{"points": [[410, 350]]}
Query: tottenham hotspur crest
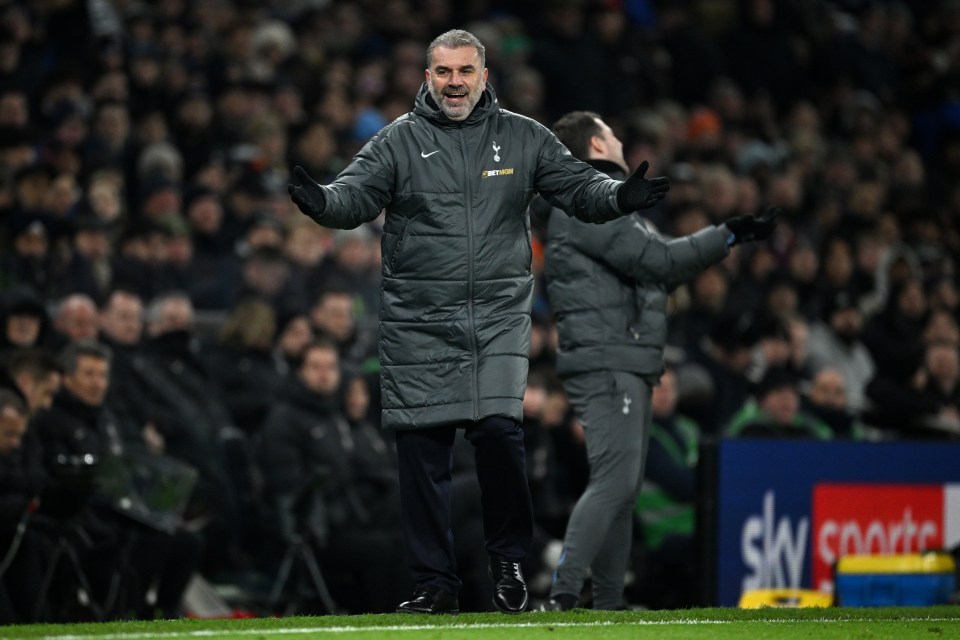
{"points": [[496, 151]]}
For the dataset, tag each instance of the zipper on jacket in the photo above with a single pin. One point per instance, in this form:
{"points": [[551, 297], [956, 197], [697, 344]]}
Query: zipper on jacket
{"points": [[396, 249], [634, 313], [468, 192]]}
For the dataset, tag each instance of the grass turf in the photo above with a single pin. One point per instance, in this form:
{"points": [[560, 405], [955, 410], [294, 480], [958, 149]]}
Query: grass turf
{"points": [[895, 623]]}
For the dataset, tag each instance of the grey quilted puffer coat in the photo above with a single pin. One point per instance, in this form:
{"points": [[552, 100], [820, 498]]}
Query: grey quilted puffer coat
{"points": [[608, 287], [457, 285]]}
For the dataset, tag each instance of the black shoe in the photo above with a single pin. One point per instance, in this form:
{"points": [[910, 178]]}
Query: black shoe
{"points": [[509, 587], [559, 602], [430, 600]]}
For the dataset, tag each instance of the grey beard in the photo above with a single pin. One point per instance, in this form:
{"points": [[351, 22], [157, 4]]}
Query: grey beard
{"points": [[438, 98]]}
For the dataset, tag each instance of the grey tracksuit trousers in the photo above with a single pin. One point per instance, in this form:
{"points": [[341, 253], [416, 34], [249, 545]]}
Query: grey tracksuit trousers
{"points": [[614, 408]]}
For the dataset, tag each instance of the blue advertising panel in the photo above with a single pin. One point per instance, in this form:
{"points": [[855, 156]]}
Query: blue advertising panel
{"points": [[768, 490]]}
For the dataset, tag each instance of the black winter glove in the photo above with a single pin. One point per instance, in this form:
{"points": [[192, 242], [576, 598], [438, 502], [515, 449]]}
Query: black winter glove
{"points": [[307, 194], [639, 193], [750, 228]]}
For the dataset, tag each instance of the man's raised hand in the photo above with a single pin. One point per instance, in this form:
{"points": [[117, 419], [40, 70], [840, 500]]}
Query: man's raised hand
{"points": [[307, 194], [638, 192], [749, 228]]}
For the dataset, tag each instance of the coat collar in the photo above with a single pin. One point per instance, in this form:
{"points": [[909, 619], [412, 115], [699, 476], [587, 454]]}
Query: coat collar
{"points": [[612, 169], [296, 394], [89, 415]]}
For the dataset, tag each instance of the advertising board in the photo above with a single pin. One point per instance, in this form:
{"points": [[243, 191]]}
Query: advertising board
{"points": [[782, 511]]}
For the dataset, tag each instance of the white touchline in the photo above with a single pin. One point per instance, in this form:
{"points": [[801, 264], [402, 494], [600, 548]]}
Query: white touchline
{"points": [[208, 633]]}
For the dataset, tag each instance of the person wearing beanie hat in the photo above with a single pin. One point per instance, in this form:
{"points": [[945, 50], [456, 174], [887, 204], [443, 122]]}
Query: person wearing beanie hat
{"points": [[774, 411], [23, 300], [25, 319], [30, 259], [90, 269], [294, 333], [263, 230]]}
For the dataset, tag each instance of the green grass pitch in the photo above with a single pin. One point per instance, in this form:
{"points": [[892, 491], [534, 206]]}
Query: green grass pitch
{"points": [[894, 623]]}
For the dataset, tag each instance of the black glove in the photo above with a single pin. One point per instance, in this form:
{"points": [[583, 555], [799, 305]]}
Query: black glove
{"points": [[749, 228], [639, 193], [307, 194]]}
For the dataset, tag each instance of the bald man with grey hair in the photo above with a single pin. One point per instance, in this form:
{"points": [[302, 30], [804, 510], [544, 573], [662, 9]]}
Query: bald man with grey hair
{"points": [[77, 317]]}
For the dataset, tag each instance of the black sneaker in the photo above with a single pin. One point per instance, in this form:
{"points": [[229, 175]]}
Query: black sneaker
{"points": [[430, 600], [509, 587]]}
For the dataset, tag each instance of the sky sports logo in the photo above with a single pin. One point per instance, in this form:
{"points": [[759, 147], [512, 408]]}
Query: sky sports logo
{"points": [[845, 519], [880, 519]]}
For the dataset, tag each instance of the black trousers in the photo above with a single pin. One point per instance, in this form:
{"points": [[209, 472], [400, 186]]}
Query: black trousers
{"points": [[425, 457]]}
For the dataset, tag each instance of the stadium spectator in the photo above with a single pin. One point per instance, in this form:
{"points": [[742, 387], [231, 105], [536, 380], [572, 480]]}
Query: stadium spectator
{"points": [[180, 383], [326, 481], [294, 333], [76, 318], [29, 260], [80, 426], [25, 320], [942, 369], [835, 343], [242, 365], [121, 329], [774, 411], [725, 354], [27, 550], [665, 509], [90, 269], [828, 401], [334, 314], [36, 376]]}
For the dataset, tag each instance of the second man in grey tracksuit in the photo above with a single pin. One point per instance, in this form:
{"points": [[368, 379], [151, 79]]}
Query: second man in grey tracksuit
{"points": [[608, 287]]}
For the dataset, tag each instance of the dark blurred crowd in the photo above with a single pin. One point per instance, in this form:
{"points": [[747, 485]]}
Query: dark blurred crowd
{"points": [[162, 298]]}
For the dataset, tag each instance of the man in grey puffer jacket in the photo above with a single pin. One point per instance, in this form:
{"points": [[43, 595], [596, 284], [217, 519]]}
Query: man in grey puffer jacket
{"points": [[455, 176], [608, 288]]}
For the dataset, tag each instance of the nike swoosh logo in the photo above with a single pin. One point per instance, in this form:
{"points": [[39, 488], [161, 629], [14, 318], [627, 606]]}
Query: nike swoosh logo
{"points": [[427, 155]]}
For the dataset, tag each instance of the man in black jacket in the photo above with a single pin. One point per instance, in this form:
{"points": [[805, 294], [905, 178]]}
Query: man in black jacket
{"points": [[196, 426], [25, 547], [455, 176], [80, 426], [608, 287], [36, 375], [317, 488]]}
